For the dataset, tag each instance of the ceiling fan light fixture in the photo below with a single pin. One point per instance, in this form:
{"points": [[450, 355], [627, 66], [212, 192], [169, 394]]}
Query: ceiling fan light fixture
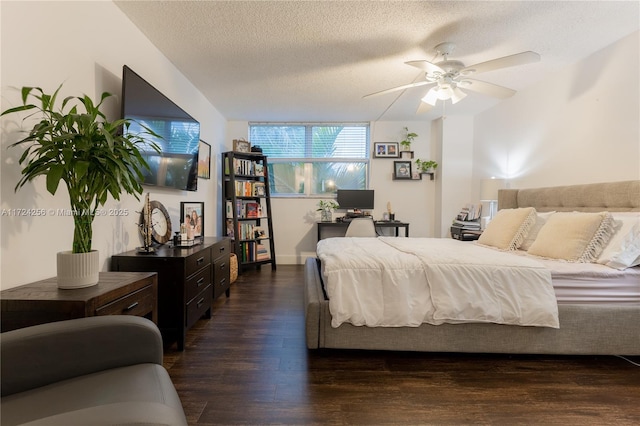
{"points": [[445, 93], [431, 97], [457, 95]]}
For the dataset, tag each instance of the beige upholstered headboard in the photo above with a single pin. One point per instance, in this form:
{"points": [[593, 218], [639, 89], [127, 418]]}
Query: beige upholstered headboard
{"points": [[594, 197]]}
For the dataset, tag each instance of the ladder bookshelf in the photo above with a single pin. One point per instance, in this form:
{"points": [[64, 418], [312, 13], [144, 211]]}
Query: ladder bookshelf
{"points": [[246, 200]]}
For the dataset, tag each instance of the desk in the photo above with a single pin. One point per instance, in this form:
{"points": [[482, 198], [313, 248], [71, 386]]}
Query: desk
{"points": [[117, 293], [378, 223]]}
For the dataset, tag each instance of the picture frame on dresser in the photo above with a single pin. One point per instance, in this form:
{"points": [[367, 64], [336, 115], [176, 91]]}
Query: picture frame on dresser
{"points": [[192, 214]]}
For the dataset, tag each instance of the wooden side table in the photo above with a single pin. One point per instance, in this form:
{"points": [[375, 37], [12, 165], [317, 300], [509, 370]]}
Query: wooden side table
{"points": [[117, 293]]}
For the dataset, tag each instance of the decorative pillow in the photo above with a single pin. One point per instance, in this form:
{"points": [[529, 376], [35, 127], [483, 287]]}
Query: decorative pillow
{"points": [[541, 219], [623, 249], [508, 229], [576, 237]]}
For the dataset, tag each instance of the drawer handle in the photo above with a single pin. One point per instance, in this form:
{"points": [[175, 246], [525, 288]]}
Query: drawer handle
{"points": [[222, 249], [223, 282], [200, 281], [200, 302], [223, 265], [200, 260], [131, 306]]}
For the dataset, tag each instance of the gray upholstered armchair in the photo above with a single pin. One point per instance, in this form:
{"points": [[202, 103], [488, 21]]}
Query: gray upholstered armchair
{"points": [[90, 371]]}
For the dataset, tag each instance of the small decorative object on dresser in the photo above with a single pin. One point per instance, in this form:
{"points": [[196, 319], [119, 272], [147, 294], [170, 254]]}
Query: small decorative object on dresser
{"points": [[192, 215]]}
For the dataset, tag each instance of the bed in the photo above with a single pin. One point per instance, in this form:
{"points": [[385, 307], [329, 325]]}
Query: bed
{"points": [[586, 327]]}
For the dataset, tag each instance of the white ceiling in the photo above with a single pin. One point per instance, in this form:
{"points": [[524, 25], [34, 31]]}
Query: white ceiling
{"points": [[315, 60]]}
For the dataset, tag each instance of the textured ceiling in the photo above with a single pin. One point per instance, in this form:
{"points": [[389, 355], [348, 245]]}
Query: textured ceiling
{"points": [[315, 60]]}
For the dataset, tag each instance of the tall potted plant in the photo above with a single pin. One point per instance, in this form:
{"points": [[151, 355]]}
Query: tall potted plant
{"points": [[94, 158]]}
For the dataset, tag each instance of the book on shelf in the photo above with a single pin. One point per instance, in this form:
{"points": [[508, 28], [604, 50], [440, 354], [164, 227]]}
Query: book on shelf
{"points": [[252, 210]]}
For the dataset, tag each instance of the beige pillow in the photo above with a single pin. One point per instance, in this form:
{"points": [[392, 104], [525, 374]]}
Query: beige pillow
{"points": [[508, 229], [576, 237], [541, 219]]}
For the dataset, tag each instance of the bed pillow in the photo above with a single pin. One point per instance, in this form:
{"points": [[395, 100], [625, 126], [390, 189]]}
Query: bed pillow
{"points": [[508, 229], [623, 249], [541, 219], [575, 237]]}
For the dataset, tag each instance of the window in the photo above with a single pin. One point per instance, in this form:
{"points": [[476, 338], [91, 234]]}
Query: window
{"points": [[314, 159]]}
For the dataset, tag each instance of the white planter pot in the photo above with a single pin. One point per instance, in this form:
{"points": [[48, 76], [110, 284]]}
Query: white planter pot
{"points": [[78, 270]]}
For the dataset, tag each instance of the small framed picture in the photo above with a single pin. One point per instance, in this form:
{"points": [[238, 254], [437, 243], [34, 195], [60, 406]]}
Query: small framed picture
{"points": [[402, 170], [204, 160], [241, 146], [385, 150], [192, 215]]}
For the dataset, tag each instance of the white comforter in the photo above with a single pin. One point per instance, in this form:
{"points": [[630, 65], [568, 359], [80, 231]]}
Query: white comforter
{"points": [[396, 282]]}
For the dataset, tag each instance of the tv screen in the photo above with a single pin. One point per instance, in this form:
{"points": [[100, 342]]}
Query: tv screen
{"points": [[177, 165], [355, 199]]}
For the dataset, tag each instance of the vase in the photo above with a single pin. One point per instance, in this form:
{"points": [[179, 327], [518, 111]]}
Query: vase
{"points": [[326, 216], [78, 270]]}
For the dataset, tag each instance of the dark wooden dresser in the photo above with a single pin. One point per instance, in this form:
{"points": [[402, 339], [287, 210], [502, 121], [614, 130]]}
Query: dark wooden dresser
{"points": [[115, 294], [189, 279]]}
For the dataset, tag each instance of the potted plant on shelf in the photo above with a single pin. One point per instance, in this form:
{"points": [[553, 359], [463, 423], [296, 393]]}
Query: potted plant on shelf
{"points": [[428, 166], [326, 209], [408, 138], [93, 156]]}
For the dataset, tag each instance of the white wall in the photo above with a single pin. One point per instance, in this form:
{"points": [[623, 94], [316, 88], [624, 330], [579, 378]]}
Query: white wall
{"points": [[579, 126], [84, 45]]}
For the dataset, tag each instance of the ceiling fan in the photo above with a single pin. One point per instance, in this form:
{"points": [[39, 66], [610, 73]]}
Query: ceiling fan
{"points": [[447, 77]]}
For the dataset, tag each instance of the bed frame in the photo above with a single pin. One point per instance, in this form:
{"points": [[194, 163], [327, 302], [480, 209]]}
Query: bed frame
{"points": [[584, 329]]}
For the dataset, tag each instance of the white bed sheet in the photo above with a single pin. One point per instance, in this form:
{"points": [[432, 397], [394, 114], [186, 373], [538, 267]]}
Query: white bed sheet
{"points": [[396, 282], [592, 283]]}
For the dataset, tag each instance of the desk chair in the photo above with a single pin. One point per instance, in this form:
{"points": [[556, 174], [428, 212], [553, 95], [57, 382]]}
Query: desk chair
{"points": [[361, 227]]}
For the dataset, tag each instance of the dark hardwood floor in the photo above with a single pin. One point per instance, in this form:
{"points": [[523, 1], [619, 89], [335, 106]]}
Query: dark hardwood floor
{"points": [[248, 364]]}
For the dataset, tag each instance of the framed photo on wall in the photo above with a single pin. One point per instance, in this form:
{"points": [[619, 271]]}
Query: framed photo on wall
{"points": [[386, 150], [402, 170], [192, 215], [204, 160]]}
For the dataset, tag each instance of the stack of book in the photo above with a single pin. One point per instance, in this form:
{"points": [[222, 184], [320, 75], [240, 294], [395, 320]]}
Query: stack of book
{"points": [[466, 226]]}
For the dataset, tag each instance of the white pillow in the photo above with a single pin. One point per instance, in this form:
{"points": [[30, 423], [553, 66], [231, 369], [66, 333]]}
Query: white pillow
{"points": [[541, 219], [623, 249], [575, 237], [508, 229]]}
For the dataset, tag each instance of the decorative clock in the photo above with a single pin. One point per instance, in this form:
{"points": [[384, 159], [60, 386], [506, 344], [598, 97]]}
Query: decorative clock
{"points": [[155, 223]]}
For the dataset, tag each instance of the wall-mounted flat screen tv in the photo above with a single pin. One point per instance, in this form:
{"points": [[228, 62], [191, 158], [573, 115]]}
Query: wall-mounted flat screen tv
{"points": [[177, 165]]}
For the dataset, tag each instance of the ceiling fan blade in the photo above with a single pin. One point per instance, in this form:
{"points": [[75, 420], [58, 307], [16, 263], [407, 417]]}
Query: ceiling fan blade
{"points": [[423, 108], [426, 66], [395, 89], [504, 62], [487, 88]]}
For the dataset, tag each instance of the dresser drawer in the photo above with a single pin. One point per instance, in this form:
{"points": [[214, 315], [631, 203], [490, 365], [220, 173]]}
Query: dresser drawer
{"points": [[196, 283], [221, 276], [140, 303], [199, 305], [223, 248], [197, 261]]}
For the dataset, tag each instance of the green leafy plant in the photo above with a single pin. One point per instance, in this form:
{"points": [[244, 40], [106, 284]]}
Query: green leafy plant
{"points": [[426, 166], [408, 139], [91, 155], [327, 205]]}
